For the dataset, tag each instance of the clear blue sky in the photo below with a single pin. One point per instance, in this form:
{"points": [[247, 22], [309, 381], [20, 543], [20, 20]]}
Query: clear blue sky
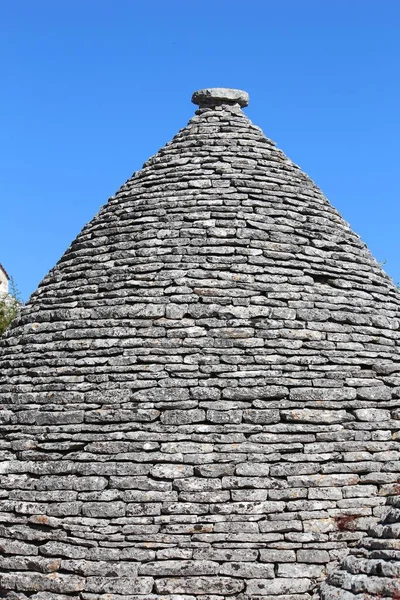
{"points": [[92, 88]]}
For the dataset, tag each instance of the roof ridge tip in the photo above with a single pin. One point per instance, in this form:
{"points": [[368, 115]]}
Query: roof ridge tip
{"points": [[209, 97]]}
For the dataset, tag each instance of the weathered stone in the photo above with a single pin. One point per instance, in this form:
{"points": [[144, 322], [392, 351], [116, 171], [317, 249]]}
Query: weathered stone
{"points": [[374, 393], [253, 469], [247, 570], [149, 496], [63, 550], [16, 547], [323, 480], [179, 568], [171, 471], [323, 394], [194, 484], [277, 556], [224, 416], [306, 415], [200, 585], [217, 470], [261, 416], [372, 414], [228, 554], [281, 526], [119, 585], [266, 587], [254, 393], [101, 568], [181, 417], [104, 509], [216, 96], [301, 570], [313, 556], [32, 582]]}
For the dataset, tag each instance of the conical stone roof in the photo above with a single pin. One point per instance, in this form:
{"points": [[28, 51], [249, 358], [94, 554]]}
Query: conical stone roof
{"points": [[201, 400]]}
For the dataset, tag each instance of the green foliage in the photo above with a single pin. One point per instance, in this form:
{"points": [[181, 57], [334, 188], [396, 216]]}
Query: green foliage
{"points": [[10, 305]]}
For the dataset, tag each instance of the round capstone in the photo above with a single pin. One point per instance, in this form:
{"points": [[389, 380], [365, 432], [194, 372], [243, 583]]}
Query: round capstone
{"points": [[215, 96]]}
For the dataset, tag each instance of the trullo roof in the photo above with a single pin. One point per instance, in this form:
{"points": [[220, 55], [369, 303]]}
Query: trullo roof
{"points": [[201, 400]]}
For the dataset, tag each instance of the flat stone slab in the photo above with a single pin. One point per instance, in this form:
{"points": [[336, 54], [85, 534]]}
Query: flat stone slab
{"points": [[212, 96]]}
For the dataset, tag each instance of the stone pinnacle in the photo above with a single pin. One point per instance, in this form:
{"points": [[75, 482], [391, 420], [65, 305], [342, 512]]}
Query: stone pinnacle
{"points": [[216, 96]]}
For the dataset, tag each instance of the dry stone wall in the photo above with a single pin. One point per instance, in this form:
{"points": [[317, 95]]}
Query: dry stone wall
{"points": [[202, 398], [371, 570]]}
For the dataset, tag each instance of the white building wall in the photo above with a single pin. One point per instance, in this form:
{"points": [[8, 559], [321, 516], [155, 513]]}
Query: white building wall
{"points": [[3, 282]]}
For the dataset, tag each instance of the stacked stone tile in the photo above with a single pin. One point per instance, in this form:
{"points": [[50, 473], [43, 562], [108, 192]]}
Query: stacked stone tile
{"points": [[202, 398], [372, 571]]}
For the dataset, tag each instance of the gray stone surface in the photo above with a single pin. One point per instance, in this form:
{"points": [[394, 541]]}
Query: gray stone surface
{"points": [[201, 400], [373, 568], [217, 96]]}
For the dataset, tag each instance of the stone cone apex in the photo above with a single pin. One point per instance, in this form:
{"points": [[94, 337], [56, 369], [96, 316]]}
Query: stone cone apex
{"points": [[202, 388], [212, 97], [373, 569]]}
